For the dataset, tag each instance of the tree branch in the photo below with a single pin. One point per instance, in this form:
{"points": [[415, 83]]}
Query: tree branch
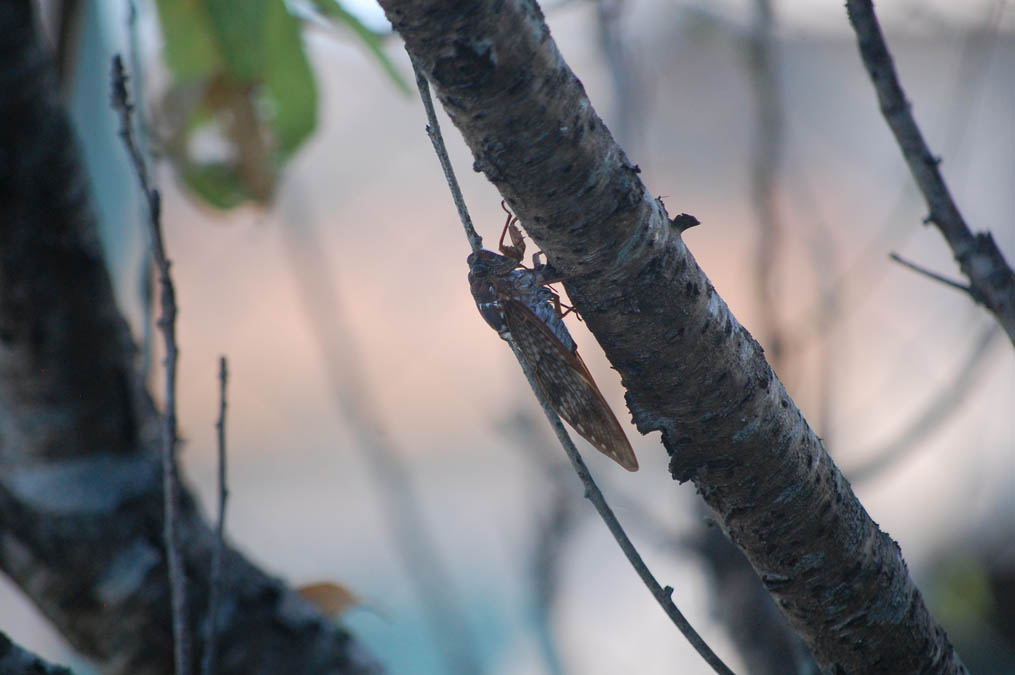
{"points": [[991, 279], [691, 371], [167, 324], [80, 492]]}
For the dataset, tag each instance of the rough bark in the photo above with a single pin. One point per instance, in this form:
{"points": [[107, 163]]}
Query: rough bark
{"points": [[691, 370], [80, 476]]}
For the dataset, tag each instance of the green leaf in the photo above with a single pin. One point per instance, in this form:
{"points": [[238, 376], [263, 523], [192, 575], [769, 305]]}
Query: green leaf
{"points": [[217, 184], [239, 28], [242, 74], [333, 10], [290, 92], [191, 50]]}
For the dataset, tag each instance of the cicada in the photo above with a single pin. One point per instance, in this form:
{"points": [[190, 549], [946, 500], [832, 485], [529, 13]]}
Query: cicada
{"points": [[519, 304]]}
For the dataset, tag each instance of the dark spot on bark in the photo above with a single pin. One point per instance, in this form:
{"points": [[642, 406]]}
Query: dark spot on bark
{"points": [[691, 289], [784, 403], [469, 67], [452, 102]]}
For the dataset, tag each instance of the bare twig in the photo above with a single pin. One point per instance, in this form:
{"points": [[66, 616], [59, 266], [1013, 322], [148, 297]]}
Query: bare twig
{"points": [[937, 411], [434, 585], [167, 324], [762, 67], [215, 580], [862, 274], [433, 130], [592, 492], [934, 275], [558, 518], [978, 255]]}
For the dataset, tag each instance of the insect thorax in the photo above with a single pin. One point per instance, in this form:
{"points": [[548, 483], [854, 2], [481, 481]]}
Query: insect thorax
{"points": [[495, 279]]}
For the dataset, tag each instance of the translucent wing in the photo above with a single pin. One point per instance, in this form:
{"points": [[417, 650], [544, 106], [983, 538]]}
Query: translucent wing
{"points": [[567, 384]]}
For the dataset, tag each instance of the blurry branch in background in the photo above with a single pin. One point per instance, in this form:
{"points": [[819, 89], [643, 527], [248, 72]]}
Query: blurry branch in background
{"points": [[748, 613], [16, 660], [992, 281], [627, 95], [392, 479], [215, 577], [592, 492], [167, 324], [766, 162], [558, 517], [948, 400]]}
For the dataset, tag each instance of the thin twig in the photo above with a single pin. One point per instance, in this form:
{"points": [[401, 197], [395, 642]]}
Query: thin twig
{"points": [[215, 581], [933, 275], [433, 130], [167, 324], [978, 256], [863, 272], [592, 492], [945, 403], [594, 495]]}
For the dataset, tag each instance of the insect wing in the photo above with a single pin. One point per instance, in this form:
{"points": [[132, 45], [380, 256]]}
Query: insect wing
{"points": [[567, 384]]}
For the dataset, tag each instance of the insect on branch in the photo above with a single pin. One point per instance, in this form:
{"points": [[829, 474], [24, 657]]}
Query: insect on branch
{"points": [[516, 302]]}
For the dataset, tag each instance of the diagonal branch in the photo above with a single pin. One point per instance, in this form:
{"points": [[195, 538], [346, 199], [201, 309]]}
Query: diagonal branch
{"points": [[690, 369], [991, 279], [934, 414]]}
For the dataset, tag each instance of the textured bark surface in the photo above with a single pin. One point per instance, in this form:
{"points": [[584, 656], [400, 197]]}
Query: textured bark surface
{"points": [[691, 370], [80, 475]]}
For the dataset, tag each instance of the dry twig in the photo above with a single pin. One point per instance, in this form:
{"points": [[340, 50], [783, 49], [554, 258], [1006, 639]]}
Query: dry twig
{"points": [[167, 324]]}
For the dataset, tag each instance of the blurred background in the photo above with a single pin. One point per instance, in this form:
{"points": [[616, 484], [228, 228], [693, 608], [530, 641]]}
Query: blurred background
{"points": [[383, 439]]}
